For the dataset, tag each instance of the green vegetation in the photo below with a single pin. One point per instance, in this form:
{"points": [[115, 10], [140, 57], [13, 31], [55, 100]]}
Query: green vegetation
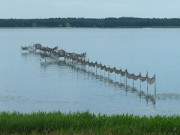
{"points": [[92, 22], [86, 124]]}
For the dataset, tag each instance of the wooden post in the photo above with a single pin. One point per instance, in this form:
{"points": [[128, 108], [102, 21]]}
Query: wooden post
{"points": [[133, 84], [126, 78], [155, 87], [126, 81], [147, 83], [140, 87], [108, 74], [120, 79], [96, 70]]}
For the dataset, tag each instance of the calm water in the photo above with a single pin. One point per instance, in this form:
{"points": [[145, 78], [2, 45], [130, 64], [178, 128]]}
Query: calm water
{"points": [[27, 86]]}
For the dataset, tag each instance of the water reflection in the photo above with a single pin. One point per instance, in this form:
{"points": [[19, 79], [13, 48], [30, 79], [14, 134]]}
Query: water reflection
{"points": [[91, 73], [106, 80]]}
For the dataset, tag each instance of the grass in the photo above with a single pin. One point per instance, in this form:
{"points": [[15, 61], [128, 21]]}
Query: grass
{"points": [[58, 123]]}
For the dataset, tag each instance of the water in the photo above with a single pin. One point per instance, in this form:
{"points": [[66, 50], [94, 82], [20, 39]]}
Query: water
{"points": [[27, 86]]}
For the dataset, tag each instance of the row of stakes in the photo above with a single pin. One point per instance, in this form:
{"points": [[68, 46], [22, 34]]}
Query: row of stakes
{"points": [[81, 59], [125, 73]]}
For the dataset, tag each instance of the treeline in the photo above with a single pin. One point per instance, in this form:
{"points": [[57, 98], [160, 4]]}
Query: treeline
{"points": [[92, 22]]}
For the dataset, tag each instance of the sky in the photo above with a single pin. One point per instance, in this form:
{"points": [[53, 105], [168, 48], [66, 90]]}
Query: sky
{"points": [[89, 8]]}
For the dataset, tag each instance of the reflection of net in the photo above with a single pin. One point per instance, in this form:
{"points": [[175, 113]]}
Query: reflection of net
{"points": [[151, 80]]}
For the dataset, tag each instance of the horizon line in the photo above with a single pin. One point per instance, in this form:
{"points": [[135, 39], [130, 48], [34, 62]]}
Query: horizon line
{"points": [[130, 17]]}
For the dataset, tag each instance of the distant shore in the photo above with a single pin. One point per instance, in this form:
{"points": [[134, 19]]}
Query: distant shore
{"points": [[172, 27], [58, 123], [122, 22]]}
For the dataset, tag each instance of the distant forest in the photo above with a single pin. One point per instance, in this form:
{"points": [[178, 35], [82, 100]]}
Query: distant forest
{"points": [[92, 22]]}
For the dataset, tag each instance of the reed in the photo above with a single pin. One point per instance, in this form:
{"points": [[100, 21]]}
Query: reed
{"points": [[86, 123]]}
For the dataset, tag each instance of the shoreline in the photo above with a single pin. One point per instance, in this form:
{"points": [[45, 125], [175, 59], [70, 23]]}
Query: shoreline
{"points": [[108, 22]]}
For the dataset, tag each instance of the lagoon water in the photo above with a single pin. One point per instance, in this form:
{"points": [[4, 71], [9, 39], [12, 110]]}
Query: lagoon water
{"points": [[27, 86]]}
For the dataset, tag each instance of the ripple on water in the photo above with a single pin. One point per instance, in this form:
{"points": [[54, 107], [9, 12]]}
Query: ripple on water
{"points": [[168, 96], [11, 98]]}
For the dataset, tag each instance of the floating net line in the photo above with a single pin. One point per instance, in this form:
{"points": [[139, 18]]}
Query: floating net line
{"points": [[81, 59]]}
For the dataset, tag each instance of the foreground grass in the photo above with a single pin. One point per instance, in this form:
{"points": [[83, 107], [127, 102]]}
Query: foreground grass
{"points": [[86, 124]]}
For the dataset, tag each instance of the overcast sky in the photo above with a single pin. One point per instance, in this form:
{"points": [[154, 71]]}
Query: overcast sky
{"points": [[89, 8]]}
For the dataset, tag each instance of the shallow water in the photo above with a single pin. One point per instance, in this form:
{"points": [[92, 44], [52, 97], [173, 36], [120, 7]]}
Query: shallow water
{"points": [[28, 86]]}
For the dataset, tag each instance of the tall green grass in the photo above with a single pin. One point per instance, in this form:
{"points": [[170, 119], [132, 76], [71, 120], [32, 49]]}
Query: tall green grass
{"points": [[86, 123]]}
